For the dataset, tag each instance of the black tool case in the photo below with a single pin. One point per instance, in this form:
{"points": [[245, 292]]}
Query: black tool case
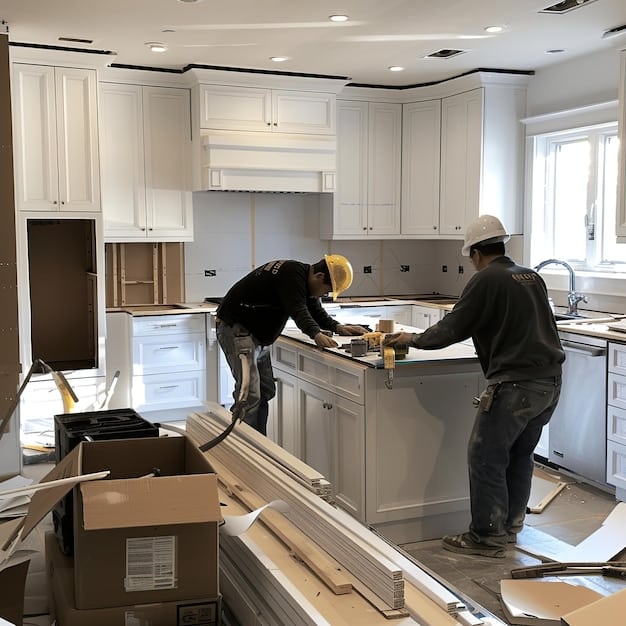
{"points": [[72, 428]]}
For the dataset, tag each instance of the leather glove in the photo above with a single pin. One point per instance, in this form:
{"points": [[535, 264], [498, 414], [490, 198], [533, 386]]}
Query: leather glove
{"points": [[322, 340], [397, 338]]}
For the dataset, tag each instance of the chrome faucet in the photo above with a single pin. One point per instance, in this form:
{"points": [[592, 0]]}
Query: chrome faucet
{"points": [[573, 298]]}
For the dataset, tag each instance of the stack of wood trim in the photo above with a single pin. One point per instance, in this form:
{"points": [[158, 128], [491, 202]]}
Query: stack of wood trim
{"points": [[297, 469], [333, 530]]}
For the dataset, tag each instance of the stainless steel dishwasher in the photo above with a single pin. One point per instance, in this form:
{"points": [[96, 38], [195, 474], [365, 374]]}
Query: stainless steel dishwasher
{"points": [[577, 430]]}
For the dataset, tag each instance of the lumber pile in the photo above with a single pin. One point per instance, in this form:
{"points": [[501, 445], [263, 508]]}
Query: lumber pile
{"points": [[346, 557]]}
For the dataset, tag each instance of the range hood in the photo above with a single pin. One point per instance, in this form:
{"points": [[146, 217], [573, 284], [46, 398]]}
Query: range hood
{"points": [[246, 161]]}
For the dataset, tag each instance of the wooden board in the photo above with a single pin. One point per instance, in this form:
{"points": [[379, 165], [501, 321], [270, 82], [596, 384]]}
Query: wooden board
{"points": [[545, 487]]}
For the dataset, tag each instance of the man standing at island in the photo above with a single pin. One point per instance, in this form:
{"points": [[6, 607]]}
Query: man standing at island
{"points": [[254, 312], [504, 308]]}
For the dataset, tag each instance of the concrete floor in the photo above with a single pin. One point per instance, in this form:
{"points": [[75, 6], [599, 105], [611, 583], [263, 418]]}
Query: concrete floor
{"points": [[576, 512]]}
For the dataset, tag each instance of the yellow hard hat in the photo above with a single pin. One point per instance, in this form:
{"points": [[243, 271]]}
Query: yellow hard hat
{"points": [[340, 272]]}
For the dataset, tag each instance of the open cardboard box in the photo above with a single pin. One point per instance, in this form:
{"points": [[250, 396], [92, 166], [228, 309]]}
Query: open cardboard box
{"points": [[172, 519], [139, 537]]}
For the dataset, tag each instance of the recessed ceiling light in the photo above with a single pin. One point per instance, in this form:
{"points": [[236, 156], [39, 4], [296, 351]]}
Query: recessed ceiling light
{"points": [[189, 1], [338, 18], [494, 29], [278, 59], [555, 51], [395, 68], [155, 46]]}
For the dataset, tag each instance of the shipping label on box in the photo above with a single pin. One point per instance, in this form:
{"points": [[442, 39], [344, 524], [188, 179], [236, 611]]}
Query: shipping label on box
{"points": [[150, 563]]}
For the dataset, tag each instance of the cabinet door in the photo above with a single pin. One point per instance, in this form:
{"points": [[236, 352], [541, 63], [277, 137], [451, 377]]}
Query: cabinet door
{"points": [[383, 181], [121, 144], [350, 201], [318, 432], [349, 461], [235, 108], [35, 138], [167, 143], [421, 141], [461, 160], [284, 420], [303, 112], [77, 132]]}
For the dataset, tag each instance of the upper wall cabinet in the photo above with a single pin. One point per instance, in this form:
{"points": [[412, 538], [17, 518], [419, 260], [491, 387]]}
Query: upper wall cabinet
{"points": [[266, 110], [421, 141], [56, 138], [621, 188], [146, 163], [482, 157], [367, 200]]}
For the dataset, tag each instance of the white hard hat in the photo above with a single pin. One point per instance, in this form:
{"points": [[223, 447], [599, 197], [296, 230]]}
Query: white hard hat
{"points": [[484, 229]]}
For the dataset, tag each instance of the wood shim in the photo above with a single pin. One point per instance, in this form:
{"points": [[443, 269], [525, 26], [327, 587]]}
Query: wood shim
{"points": [[545, 488]]}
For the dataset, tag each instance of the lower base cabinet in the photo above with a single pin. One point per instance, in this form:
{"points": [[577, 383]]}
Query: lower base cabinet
{"points": [[396, 457]]}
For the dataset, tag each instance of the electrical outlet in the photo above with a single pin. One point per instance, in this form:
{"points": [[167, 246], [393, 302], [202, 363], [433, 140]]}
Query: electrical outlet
{"points": [[461, 269], [404, 268], [210, 272], [367, 269], [444, 268]]}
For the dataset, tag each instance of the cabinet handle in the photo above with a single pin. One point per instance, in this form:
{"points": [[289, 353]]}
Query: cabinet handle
{"points": [[55, 202], [364, 227], [166, 387], [269, 123], [434, 228], [164, 325], [169, 347], [275, 123], [143, 229]]}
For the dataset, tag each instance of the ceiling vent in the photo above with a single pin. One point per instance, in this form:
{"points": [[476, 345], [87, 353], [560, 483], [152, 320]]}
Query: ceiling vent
{"points": [[444, 53], [565, 6], [613, 32], [76, 40]]}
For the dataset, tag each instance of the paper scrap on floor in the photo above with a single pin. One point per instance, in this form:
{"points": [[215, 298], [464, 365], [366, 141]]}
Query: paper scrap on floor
{"points": [[599, 613], [602, 545], [542, 602]]}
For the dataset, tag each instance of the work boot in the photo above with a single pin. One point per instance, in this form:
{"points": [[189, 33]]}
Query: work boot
{"points": [[464, 544]]}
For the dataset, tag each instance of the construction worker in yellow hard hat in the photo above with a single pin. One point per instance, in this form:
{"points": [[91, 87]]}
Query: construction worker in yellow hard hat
{"points": [[254, 312]]}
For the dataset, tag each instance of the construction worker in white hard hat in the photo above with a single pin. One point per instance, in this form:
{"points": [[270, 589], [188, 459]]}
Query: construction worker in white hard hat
{"points": [[254, 312], [504, 308]]}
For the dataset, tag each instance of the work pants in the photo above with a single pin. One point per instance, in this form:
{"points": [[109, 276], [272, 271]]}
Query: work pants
{"points": [[235, 340], [500, 456]]}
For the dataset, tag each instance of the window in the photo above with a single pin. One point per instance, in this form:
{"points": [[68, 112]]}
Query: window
{"points": [[574, 193]]}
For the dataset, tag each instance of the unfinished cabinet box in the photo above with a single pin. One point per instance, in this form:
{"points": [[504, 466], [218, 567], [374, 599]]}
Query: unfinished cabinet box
{"points": [[144, 273]]}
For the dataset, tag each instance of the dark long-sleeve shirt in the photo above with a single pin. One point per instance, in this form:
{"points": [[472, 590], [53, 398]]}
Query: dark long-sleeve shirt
{"points": [[504, 308], [267, 297]]}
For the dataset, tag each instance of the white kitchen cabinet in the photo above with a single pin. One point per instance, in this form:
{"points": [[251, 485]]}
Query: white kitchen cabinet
{"points": [[424, 316], [319, 415], [266, 110], [162, 360], [620, 227], [482, 157], [616, 419], [367, 199], [421, 148], [146, 163], [55, 128]]}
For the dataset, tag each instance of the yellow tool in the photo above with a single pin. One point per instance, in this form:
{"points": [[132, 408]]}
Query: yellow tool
{"points": [[389, 363]]}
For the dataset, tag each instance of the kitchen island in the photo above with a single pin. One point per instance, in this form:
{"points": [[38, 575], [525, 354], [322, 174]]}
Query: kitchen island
{"points": [[394, 447]]}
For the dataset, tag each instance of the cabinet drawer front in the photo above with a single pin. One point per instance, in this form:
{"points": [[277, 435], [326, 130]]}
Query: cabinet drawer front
{"points": [[616, 424], [616, 464], [154, 354], [162, 324], [346, 381], [285, 358], [617, 358], [168, 391], [616, 395]]}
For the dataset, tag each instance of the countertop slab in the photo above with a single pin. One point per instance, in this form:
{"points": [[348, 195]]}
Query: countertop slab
{"points": [[460, 352], [139, 310]]}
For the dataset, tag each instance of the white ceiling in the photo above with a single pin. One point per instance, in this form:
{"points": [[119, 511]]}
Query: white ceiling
{"points": [[379, 33]]}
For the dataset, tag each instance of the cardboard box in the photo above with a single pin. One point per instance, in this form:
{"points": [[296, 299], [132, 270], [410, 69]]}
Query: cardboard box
{"points": [[141, 538], [198, 611]]}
